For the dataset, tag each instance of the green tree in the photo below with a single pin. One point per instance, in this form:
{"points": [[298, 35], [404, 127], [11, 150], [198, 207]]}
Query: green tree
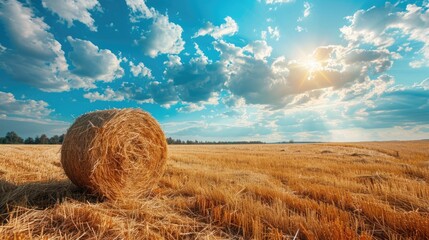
{"points": [[44, 139], [29, 140], [54, 139], [13, 138], [61, 140]]}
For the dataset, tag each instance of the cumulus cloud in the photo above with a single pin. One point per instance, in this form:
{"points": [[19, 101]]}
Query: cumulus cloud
{"points": [[173, 60], [397, 106], [273, 83], [250, 76], [140, 70], [163, 93], [75, 10], [30, 108], [197, 80], [163, 37], [94, 63], [108, 95], [195, 83], [259, 49], [139, 10], [35, 57], [229, 28], [32, 54], [392, 25], [191, 107], [27, 117]]}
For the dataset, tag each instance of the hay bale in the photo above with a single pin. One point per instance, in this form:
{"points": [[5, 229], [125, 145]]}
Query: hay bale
{"points": [[115, 153]]}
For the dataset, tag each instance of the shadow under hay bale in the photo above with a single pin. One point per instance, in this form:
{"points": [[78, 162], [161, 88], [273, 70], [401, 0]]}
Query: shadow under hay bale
{"points": [[5, 187], [41, 195]]}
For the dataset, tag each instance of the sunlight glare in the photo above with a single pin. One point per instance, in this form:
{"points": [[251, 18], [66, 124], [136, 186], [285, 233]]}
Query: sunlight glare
{"points": [[311, 65]]}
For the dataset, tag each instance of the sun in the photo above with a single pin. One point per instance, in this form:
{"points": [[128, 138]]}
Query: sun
{"points": [[311, 65]]}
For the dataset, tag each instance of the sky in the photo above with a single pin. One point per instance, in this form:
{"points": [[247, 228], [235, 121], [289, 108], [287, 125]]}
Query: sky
{"points": [[266, 70]]}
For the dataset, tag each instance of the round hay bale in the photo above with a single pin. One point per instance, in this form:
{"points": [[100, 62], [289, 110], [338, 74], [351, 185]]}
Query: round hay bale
{"points": [[115, 153]]}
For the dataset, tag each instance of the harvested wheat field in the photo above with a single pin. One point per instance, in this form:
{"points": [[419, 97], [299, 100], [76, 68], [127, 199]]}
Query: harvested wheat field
{"points": [[302, 191]]}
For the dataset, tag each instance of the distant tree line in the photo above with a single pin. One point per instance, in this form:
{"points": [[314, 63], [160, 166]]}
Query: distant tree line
{"points": [[14, 138], [178, 141]]}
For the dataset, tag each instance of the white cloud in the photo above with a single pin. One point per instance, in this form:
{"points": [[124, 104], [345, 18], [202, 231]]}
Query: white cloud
{"points": [[195, 83], [139, 10], [392, 26], [93, 63], [274, 32], [249, 75], [108, 95], [191, 107], [75, 10], [201, 56], [32, 56], [13, 107], [233, 101], [392, 106], [417, 64], [278, 1], [140, 70], [173, 60], [259, 49], [198, 80], [228, 28], [28, 117], [307, 9], [275, 84], [299, 28], [198, 106], [163, 37]]}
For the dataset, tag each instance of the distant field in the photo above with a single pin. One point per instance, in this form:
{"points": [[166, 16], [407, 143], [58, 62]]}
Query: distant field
{"points": [[313, 191]]}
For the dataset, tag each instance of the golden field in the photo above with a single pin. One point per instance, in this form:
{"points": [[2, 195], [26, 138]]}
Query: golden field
{"points": [[374, 190]]}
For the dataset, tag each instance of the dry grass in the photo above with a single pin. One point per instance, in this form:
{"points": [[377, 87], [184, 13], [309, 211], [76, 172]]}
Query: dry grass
{"points": [[317, 191]]}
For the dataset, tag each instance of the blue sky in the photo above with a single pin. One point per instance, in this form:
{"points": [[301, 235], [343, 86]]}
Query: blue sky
{"points": [[269, 70]]}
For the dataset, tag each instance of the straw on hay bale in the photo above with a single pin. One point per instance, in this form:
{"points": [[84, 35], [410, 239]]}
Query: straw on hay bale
{"points": [[115, 153]]}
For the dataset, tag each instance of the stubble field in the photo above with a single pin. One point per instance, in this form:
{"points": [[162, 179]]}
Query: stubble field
{"points": [[303, 191]]}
